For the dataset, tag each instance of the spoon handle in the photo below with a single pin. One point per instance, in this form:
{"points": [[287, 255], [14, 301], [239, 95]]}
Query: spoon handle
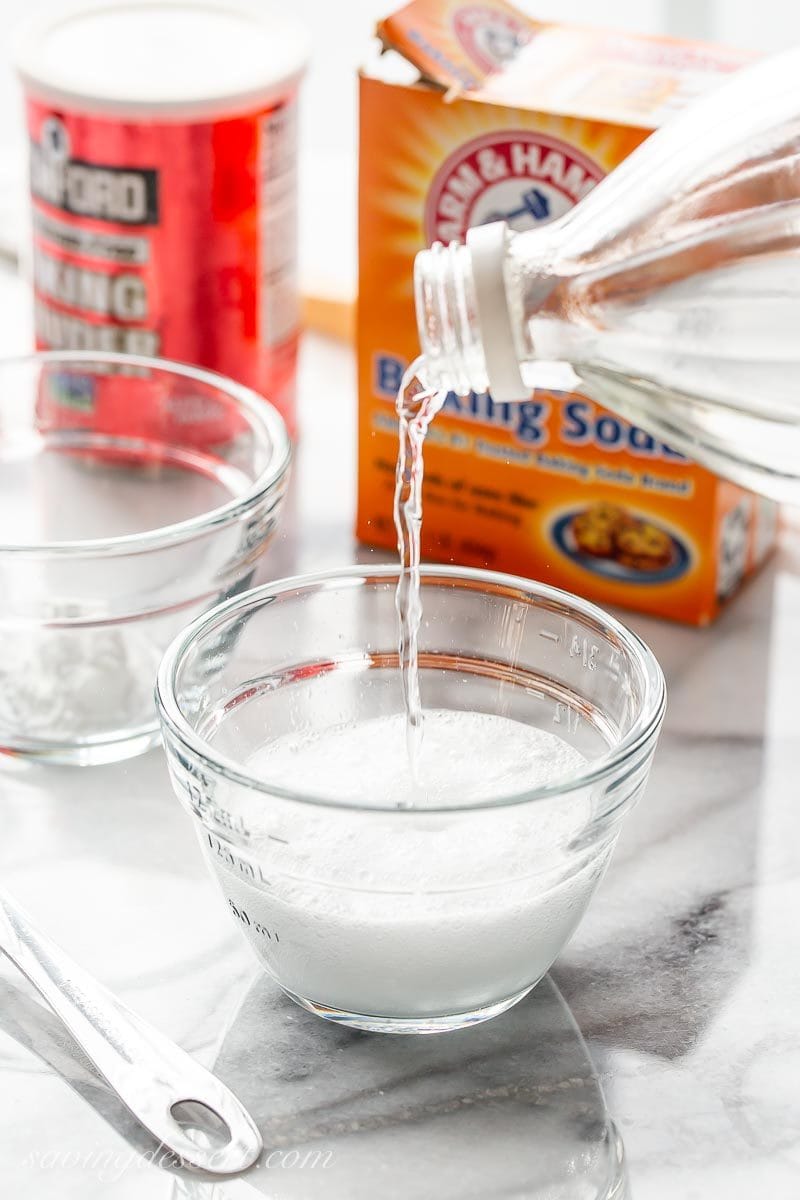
{"points": [[149, 1073]]}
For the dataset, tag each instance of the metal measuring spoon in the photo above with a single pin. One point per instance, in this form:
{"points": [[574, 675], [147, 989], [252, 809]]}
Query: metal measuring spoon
{"points": [[182, 1104]]}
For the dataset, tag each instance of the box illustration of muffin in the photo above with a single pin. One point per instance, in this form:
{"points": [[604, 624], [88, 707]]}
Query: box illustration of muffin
{"points": [[609, 531]]}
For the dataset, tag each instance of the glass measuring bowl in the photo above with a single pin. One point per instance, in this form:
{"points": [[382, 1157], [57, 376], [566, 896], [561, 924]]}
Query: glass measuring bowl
{"points": [[419, 919], [134, 494]]}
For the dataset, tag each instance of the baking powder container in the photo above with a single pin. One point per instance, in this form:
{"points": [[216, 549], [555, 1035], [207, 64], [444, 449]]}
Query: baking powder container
{"points": [[163, 187]]}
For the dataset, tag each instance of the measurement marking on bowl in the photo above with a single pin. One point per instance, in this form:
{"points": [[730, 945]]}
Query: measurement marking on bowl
{"points": [[241, 915], [551, 637], [235, 862], [580, 647], [564, 715]]}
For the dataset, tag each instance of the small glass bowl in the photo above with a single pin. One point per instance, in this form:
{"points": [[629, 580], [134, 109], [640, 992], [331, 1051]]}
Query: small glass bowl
{"points": [[134, 494], [406, 920]]}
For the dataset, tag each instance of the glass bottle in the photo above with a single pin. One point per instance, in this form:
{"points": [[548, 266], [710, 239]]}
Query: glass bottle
{"points": [[670, 293]]}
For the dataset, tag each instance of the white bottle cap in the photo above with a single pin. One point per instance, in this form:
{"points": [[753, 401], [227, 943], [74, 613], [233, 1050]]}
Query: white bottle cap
{"points": [[195, 59], [487, 246]]}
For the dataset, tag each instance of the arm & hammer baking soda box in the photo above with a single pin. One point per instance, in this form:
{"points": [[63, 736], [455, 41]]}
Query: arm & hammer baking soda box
{"points": [[472, 113]]}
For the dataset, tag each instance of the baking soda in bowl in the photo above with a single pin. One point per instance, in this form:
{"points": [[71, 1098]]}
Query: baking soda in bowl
{"points": [[466, 759], [163, 192], [415, 913]]}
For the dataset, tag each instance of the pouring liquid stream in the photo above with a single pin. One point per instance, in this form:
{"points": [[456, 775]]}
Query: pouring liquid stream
{"points": [[417, 405], [418, 402]]}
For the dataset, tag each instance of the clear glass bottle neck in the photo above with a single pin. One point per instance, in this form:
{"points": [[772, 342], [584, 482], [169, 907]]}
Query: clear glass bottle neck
{"points": [[459, 305], [447, 319]]}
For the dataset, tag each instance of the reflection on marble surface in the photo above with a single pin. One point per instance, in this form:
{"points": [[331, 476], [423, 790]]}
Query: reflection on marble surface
{"points": [[683, 976], [685, 972], [425, 1113]]}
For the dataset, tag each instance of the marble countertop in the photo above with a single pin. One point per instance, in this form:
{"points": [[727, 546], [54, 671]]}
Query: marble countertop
{"points": [[662, 1056]]}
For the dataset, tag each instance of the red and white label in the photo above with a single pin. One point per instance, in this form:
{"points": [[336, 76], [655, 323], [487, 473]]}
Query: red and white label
{"points": [[170, 238], [521, 177]]}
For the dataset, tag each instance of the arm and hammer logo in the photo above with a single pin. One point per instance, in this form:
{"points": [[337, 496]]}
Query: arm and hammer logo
{"points": [[488, 36], [518, 176]]}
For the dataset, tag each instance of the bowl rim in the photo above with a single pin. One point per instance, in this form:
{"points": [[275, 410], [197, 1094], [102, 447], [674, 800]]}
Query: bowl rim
{"points": [[644, 729], [264, 419]]}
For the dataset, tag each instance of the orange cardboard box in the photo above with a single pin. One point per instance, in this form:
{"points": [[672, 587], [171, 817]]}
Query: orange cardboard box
{"points": [[475, 112]]}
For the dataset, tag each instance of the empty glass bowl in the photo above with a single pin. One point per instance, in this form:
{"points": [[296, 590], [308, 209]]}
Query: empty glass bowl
{"points": [[134, 494], [442, 913]]}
